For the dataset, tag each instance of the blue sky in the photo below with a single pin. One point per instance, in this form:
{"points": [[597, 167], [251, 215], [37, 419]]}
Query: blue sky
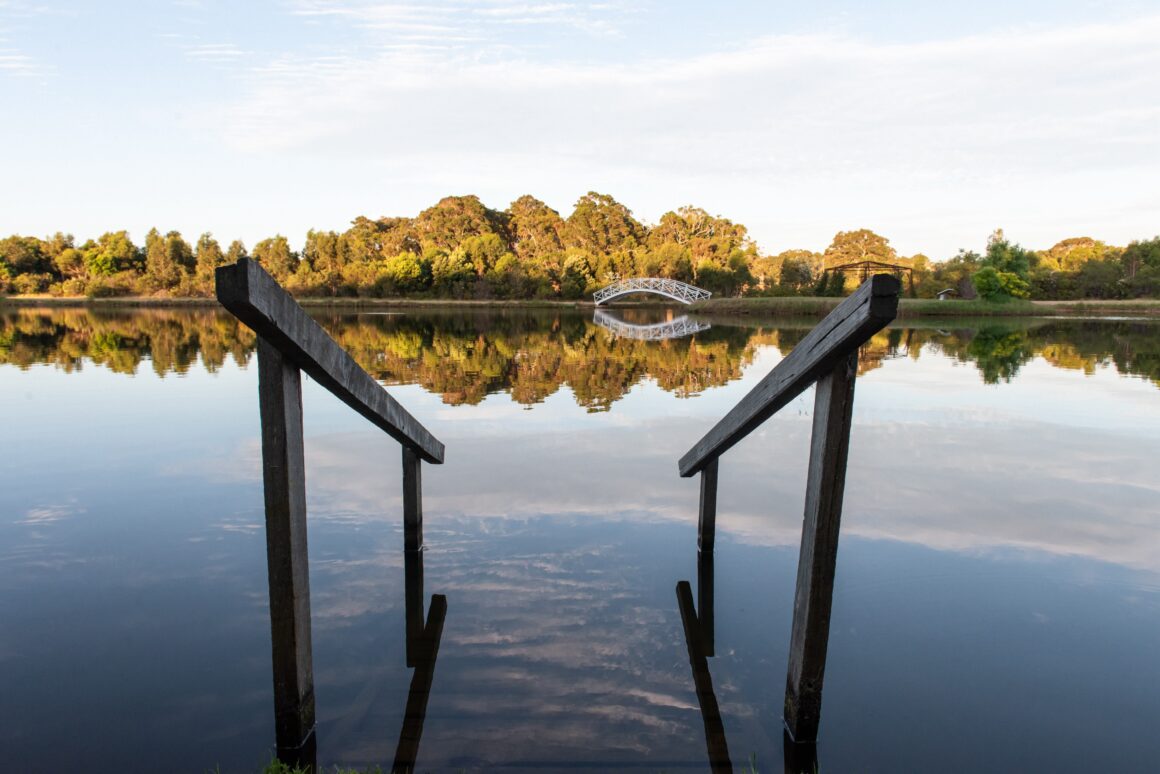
{"points": [[930, 123]]}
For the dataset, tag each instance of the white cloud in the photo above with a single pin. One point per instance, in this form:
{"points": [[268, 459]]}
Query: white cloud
{"points": [[797, 134]]}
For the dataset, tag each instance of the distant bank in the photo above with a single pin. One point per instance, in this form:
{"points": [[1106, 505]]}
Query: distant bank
{"points": [[787, 306]]}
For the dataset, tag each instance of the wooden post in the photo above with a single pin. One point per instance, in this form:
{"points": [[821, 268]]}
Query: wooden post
{"points": [[798, 757], [707, 520], [833, 404], [283, 476], [412, 500], [705, 601], [413, 604]]}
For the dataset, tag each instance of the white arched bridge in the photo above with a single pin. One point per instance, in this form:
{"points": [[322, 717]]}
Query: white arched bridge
{"points": [[669, 329], [669, 288]]}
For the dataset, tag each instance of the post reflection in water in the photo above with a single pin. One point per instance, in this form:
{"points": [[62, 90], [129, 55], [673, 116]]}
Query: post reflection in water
{"points": [[798, 758], [422, 650]]}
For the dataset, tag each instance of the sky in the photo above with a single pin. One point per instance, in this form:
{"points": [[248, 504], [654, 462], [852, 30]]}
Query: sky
{"points": [[931, 123]]}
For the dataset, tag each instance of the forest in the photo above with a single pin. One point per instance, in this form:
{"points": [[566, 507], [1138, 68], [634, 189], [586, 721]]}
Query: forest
{"points": [[461, 249]]}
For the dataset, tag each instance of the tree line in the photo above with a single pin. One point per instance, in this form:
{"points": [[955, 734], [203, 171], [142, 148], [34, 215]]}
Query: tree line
{"points": [[461, 249]]}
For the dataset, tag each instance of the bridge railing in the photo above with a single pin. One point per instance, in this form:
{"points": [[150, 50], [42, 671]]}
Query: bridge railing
{"points": [[290, 342], [675, 289], [828, 355]]}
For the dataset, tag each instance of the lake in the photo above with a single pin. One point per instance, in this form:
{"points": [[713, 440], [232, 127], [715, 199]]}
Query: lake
{"points": [[997, 603]]}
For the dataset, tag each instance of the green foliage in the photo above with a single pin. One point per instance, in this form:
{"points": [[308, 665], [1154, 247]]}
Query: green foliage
{"points": [[1007, 257], [599, 225], [24, 255], [407, 273], [276, 257], [459, 248], [1005, 270], [455, 218], [860, 245], [113, 252], [994, 285]]}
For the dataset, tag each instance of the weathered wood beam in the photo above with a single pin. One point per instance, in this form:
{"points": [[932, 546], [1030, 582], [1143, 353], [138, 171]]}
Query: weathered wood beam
{"points": [[707, 511], [817, 561], [255, 298], [412, 500], [843, 330], [283, 477], [413, 604], [715, 742], [416, 711]]}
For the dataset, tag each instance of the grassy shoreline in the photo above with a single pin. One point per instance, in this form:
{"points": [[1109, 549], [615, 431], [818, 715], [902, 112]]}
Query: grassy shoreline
{"points": [[787, 306]]}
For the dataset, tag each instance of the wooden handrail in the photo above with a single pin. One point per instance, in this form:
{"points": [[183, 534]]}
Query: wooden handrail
{"points": [[255, 298], [842, 331]]}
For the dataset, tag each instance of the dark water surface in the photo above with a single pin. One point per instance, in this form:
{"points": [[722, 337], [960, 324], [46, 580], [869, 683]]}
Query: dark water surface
{"points": [[997, 605]]}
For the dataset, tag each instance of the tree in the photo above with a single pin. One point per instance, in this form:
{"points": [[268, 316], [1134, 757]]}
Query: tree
{"points": [[1140, 254], [113, 252], [797, 269], [451, 273], [482, 252], [957, 271], [276, 257], [601, 225], [455, 218], [407, 273], [325, 251], [994, 285], [1005, 269], [860, 245], [208, 256], [164, 258], [535, 229], [236, 251], [24, 255], [1071, 254], [705, 236], [1006, 256]]}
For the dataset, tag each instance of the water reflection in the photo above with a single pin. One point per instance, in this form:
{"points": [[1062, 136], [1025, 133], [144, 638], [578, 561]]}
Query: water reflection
{"points": [[698, 629], [673, 328], [1002, 535], [464, 356], [423, 640]]}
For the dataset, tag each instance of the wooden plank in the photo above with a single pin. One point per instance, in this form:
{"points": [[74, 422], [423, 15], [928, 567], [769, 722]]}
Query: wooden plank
{"points": [[817, 561], [255, 298], [412, 500], [283, 477], [707, 511], [415, 712], [843, 330], [715, 742]]}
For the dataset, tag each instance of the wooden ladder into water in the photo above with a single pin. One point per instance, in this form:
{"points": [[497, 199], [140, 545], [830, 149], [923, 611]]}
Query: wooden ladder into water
{"points": [[290, 342], [828, 355]]}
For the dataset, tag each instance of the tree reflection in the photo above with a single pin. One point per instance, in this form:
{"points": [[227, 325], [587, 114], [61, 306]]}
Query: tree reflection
{"points": [[531, 354]]}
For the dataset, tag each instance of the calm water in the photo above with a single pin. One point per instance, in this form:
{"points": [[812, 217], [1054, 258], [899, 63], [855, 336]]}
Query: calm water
{"points": [[997, 605]]}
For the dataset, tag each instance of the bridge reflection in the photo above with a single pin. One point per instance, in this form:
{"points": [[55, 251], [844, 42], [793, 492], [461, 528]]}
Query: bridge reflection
{"points": [[669, 329]]}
